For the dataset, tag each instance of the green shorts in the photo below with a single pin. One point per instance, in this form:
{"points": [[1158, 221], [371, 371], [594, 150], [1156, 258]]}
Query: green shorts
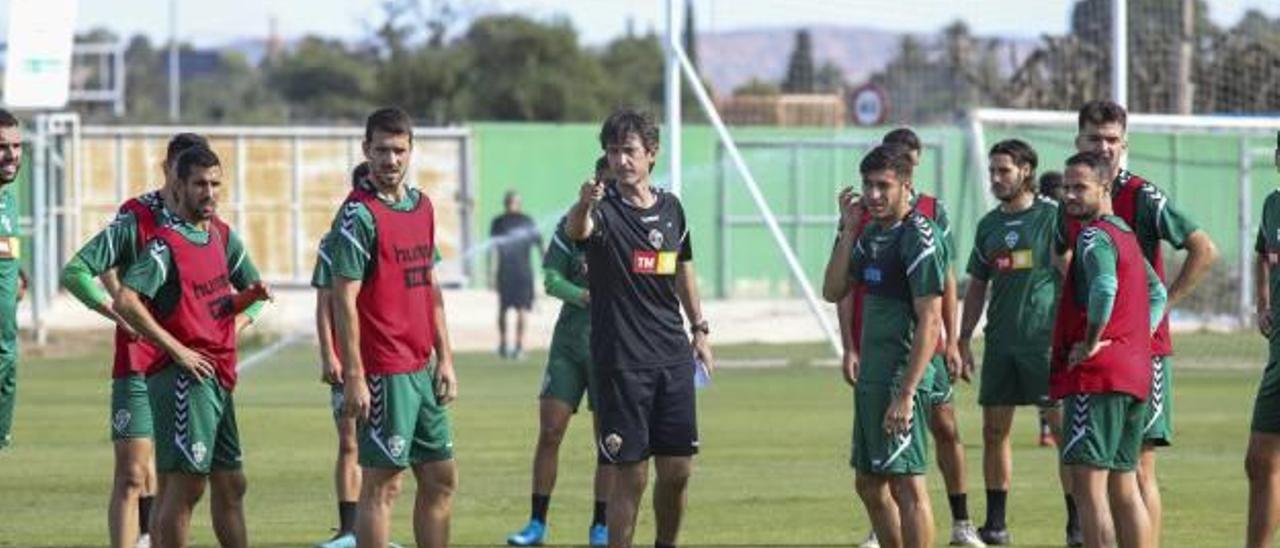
{"points": [[1266, 406], [1157, 418], [8, 393], [940, 391], [195, 423], [1102, 431], [406, 425], [877, 453], [1011, 378], [568, 377], [130, 408]]}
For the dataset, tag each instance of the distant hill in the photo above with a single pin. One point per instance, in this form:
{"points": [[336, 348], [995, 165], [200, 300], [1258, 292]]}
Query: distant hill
{"points": [[730, 59]]}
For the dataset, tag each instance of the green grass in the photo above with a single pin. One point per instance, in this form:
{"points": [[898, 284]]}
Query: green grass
{"points": [[772, 473]]}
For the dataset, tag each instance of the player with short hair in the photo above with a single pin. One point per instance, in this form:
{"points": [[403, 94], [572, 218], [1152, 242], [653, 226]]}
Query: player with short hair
{"points": [[942, 420], [13, 282], [390, 320], [640, 264], [1050, 185], [901, 261], [1013, 256], [1111, 302], [346, 466], [568, 376], [1262, 461], [179, 295], [106, 255], [1102, 128]]}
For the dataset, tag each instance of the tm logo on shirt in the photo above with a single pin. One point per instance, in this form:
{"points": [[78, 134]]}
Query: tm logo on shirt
{"points": [[653, 262]]}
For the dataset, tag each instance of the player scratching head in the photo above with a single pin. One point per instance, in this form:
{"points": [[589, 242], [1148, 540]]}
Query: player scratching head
{"points": [[886, 183], [388, 144], [1101, 128], [199, 181], [1011, 167], [10, 147], [629, 140], [1086, 186]]}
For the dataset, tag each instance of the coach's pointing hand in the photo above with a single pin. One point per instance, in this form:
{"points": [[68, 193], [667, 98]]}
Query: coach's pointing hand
{"points": [[355, 397], [591, 192]]}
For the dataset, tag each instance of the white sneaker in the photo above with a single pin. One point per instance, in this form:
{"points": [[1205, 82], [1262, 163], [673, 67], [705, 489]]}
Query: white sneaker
{"points": [[144, 541], [871, 542], [964, 534]]}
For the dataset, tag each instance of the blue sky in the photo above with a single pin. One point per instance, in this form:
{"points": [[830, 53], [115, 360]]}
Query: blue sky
{"points": [[214, 22]]}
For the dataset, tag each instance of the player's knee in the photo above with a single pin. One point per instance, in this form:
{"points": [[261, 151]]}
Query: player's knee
{"points": [[1258, 465], [348, 448], [675, 477], [994, 434], [550, 435], [132, 478], [869, 489], [944, 431], [230, 488]]}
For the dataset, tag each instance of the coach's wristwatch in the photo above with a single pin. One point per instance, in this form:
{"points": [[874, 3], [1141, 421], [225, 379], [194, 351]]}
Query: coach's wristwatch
{"points": [[700, 327]]}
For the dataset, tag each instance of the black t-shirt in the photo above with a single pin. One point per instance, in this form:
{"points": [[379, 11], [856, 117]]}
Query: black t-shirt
{"points": [[631, 265], [514, 236]]}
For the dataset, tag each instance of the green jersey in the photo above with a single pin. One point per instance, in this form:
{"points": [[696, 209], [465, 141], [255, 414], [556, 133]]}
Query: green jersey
{"points": [[1155, 219], [116, 246], [565, 278], [1013, 252], [10, 274], [1268, 248], [896, 265], [156, 275], [322, 274]]}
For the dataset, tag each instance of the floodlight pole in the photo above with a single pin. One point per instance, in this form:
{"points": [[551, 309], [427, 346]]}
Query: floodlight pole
{"points": [[174, 93], [1120, 52], [672, 83]]}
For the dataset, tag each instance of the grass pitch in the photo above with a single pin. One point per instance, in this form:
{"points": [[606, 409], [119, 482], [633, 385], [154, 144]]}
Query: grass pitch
{"points": [[773, 471]]}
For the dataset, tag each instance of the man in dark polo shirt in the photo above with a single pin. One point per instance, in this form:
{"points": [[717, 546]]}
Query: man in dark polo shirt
{"points": [[640, 265]]}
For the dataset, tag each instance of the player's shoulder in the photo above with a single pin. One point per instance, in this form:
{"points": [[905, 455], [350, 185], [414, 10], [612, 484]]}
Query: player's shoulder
{"points": [[1272, 201], [1144, 188], [1091, 237], [920, 229]]}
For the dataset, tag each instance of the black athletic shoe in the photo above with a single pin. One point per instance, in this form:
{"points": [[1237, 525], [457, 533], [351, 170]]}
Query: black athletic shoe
{"points": [[994, 537]]}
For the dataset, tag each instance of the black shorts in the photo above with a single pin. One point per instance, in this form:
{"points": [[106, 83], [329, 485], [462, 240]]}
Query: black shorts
{"points": [[515, 293], [646, 412]]}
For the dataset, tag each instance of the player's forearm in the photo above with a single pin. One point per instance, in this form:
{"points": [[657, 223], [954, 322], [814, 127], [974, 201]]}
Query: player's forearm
{"points": [[975, 300], [558, 286], [687, 290], [111, 282], [950, 309], [836, 281], [324, 325], [844, 317], [578, 223], [1201, 254], [1157, 297], [923, 343], [346, 320], [443, 346], [1261, 283], [131, 308], [78, 280]]}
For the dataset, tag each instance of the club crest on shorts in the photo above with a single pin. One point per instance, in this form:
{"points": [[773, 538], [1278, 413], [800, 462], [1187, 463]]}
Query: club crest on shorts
{"points": [[656, 238], [1011, 239], [613, 444], [121, 420], [199, 451], [395, 445]]}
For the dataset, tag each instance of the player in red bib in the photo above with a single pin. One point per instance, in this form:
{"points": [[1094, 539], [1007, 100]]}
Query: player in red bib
{"points": [[1111, 302], [180, 296], [1154, 217], [390, 321]]}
